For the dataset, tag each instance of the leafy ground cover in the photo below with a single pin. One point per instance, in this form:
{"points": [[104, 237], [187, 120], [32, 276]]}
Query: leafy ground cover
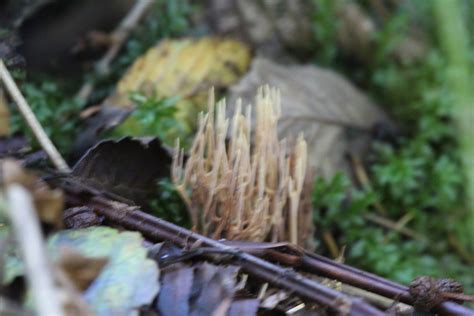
{"points": [[414, 174]]}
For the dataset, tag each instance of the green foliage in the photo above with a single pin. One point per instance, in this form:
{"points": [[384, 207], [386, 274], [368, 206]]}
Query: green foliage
{"points": [[329, 197], [324, 29], [56, 111], [455, 41], [341, 208], [419, 175], [169, 205], [152, 116]]}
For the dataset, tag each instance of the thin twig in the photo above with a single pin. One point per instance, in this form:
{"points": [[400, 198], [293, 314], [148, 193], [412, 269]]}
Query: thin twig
{"points": [[387, 223], [156, 229], [119, 36], [31, 120], [27, 231]]}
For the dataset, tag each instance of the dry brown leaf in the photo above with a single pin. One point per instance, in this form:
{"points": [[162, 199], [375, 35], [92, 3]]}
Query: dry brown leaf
{"points": [[204, 289], [81, 270], [270, 26], [49, 203], [128, 167], [4, 115], [321, 104]]}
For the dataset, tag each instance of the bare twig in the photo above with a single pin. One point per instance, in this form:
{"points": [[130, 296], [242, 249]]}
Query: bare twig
{"points": [[27, 231], [31, 120], [387, 223], [156, 229], [119, 36]]}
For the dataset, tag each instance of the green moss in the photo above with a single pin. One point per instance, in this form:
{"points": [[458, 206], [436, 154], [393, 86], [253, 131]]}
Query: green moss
{"points": [[419, 174]]}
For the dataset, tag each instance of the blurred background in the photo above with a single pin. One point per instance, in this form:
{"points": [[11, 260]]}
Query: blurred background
{"points": [[386, 87]]}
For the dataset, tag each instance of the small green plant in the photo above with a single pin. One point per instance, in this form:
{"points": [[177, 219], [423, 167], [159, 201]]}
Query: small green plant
{"points": [[340, 208], [152, 117], [324, 28], [56, 111], [168, 205], [420, 174]]}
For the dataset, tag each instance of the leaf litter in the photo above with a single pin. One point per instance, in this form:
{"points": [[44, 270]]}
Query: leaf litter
{"points": [[115, 267]]}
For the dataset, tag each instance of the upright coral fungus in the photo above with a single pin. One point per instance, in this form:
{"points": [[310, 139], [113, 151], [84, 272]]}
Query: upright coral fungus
{"points": [[236, 188]]}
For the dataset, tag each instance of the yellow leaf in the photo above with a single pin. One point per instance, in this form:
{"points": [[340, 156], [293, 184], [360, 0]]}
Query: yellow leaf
{"points": [[4, 116], [187, 68]]}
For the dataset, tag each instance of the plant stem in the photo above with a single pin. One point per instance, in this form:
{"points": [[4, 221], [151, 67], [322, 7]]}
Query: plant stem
{"points": [[119, 36], [32, 121], [454, 38]]}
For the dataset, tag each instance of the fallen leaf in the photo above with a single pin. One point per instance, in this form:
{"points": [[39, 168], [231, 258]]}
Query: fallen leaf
{"points": [[175, 290], [4, 115], [9, 43], [204, 289], [334, 116], [127, 167], [128, 281], [212, 286], [80, 269], [272, 300], [244, 307], [13, 145], [49, 203], [271, 27], [185, 68]]}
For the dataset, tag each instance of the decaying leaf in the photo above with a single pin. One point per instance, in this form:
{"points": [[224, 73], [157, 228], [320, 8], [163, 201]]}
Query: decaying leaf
{"points": [[244, 307], [175, 291], [49, 203], [9, 43], [80, 269], [127, 167], [204, 289], [129, 280], [13, 146], [319, 103], [270, 26], [356, 31], [4, 115], [186, 68], [357, 34]]}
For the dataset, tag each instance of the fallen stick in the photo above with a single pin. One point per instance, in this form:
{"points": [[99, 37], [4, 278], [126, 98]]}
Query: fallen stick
{"points": [[155, 229], [31, 120], [25, 225]]}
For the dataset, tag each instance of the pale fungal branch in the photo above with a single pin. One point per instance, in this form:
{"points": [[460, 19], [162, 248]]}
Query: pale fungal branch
{"points": [[236, 188], [119, 36], [26, 228], [31, 120]]}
